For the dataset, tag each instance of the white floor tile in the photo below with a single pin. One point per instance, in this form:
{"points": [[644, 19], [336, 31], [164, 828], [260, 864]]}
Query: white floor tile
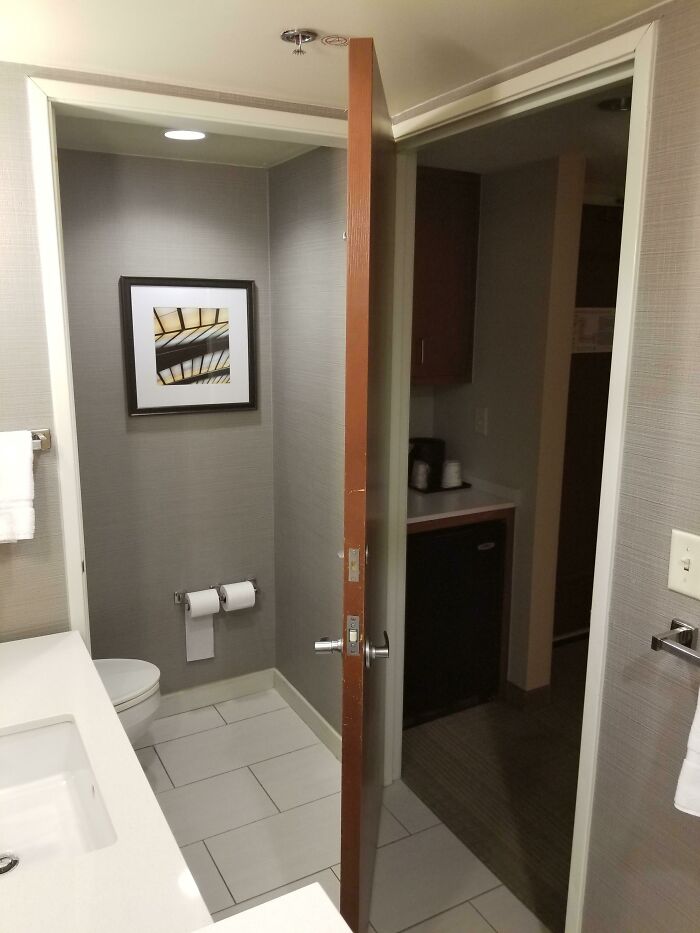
{"points": [[408, 809], [506, 913], [214, 805], [173, 727], [210, 883], [462, 919], [421, 876], [299, 777], [251, 705], [242, 743], [283, 848], [389, 828], [326, 879], [154, 770]]}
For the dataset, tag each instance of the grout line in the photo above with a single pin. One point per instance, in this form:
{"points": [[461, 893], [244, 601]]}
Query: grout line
{"points": [[286, 885], [269, 712], [239, 768], [264, 789], [270, 816], [187, 735], [397, 819], [442, 913], [253, 715], [487, 891], [219, 871], [164, 769], [218, 712], [480, 913]]}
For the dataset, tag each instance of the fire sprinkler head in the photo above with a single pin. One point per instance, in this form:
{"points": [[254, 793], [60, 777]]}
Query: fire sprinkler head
{"points": [[298, 37]]}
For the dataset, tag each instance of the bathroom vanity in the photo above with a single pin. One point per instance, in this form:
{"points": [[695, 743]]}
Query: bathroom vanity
{"points": [[93, 849]]}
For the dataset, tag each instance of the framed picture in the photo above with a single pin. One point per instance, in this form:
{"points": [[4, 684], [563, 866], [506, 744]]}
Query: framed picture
{"points": [[189, 345]]}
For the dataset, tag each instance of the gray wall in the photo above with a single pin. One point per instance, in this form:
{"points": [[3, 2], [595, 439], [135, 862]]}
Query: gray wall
{"points": [[32, 578], [170, 502], [307, 254], [644, 870], [514, 271]]}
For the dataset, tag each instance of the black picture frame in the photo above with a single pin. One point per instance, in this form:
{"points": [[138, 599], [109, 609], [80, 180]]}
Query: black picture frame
{"points": [[126, 284]]}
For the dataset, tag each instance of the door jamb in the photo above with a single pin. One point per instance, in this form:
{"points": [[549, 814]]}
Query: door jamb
{"points": [[629, 54], [42, 94]]}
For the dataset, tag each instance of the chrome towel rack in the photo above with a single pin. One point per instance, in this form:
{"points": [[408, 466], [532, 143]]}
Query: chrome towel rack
{"points": [[681, 641]]}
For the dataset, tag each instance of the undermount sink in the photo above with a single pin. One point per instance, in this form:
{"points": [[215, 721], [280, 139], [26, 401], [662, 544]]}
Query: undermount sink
{"points": [[50, 804]]}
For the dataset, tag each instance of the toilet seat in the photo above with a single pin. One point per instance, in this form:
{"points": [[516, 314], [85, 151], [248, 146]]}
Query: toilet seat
{"points": [[128, 681]]}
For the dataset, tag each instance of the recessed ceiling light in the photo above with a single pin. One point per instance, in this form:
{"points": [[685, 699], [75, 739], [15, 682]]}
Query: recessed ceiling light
{"points": [[184, 134]]}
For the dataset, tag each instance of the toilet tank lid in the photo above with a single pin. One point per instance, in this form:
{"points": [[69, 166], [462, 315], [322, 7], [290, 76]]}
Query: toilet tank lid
{"points": [[126, 678]]}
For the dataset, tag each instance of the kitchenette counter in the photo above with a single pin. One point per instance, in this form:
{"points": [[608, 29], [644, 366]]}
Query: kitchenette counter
{"points": [[454, 507]]}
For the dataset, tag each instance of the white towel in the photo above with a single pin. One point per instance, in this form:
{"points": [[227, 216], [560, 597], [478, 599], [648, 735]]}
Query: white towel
{"points": [[16, 486], [688, 790]]}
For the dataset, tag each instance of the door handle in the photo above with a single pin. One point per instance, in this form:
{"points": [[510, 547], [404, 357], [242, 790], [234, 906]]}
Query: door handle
{"points": [[328, 645], [378, 653]]}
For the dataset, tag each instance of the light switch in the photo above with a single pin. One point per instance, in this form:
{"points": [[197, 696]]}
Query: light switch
{"points": [[684, 564]]}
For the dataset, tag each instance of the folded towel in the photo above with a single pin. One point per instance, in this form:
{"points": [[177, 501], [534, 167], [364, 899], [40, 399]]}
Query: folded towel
{"points": [[16, 486], [688, 791]]}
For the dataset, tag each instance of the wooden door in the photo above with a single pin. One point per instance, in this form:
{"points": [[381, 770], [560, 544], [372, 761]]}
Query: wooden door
{"points": [[371, 164]]}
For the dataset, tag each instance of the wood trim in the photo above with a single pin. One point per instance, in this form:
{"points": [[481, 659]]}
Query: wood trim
{"points": [[452, 521]]}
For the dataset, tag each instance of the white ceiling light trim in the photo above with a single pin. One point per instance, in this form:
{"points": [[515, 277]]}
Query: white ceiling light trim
{"points": [[188, 135]]}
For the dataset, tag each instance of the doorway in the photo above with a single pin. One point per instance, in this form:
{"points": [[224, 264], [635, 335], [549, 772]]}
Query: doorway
{"points": [[498, 758]]}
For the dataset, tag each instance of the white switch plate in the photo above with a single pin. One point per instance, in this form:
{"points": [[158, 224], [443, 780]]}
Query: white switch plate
{"points": [[481, 421], [684, 564]]}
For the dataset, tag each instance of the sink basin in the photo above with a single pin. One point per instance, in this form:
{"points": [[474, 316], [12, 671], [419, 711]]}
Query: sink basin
{"points": [[50, 804]]}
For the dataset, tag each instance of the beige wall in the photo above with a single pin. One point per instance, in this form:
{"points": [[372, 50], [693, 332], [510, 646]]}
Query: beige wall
{"points": [[32, 578], [529, 226], [644, 863]]}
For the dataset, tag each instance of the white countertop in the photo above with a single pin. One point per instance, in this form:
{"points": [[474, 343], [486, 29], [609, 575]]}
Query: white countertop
{"points": [[307, 910], [425, 507], [140, 883]]}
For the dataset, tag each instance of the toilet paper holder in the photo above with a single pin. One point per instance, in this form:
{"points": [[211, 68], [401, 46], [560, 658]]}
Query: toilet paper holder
{"points": [[179, 595]]}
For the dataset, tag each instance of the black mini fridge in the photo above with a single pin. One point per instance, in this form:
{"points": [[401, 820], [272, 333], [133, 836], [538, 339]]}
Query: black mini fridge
{"points": [[454, 602]]}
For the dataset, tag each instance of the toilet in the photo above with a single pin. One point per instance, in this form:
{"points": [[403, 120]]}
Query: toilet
{"points": [[134, 689]]}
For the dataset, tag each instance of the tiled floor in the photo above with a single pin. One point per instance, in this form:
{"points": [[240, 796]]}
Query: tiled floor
{"points": [[253, 799]]}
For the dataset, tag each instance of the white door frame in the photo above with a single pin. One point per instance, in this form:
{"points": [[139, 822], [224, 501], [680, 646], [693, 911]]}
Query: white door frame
{"points": [[212, 116], [628, 55]]}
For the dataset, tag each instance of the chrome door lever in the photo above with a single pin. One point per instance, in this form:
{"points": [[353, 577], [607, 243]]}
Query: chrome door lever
{"points": [[381, 652]]}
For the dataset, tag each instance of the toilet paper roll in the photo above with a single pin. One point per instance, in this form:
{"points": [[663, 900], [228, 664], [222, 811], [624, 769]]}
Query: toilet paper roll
{"points": [[200, 607], [237, 596]]}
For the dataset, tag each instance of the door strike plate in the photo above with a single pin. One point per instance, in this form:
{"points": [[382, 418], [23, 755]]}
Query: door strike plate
{"points": [[352, 640], [353, 565]]}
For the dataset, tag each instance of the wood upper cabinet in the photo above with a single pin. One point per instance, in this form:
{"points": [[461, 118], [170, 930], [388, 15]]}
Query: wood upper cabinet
{"points": [[444, 276]]}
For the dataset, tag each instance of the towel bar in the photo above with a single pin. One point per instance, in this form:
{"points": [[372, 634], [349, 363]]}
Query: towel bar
{"points": [[680, 640]]}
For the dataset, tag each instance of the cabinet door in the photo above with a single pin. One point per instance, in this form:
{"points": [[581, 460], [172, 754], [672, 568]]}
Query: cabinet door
{"points": [[444, 276]]}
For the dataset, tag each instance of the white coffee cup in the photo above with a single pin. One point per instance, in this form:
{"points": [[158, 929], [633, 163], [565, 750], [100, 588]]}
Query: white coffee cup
{"points": [[419, 474], [451, 474]]}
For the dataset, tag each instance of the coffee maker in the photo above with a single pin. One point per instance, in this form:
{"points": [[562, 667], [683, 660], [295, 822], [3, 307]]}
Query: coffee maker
{"points": [[430, 450]]}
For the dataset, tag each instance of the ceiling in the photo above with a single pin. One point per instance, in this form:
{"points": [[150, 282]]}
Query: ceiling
{"points": [[141, 139], [577, 126], [426, 49]]}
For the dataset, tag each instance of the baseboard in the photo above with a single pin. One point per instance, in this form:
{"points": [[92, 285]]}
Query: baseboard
{"points": [[309, 714], [519, 697], [205, 694]]}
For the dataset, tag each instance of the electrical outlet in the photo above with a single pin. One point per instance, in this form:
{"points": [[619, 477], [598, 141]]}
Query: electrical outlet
{"points": [[481, 421], [684, 564]]}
